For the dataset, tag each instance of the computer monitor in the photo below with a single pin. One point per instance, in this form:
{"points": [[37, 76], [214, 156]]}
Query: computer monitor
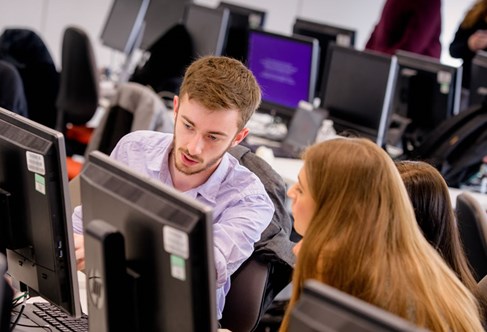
{"points": [[357, 91], [241, 20], [478, 79], [35, 211], [323, 308], [160, 17], [427, 92], [325, 34], [285, 68], [149, 253], [123, 24], [207, 28]]}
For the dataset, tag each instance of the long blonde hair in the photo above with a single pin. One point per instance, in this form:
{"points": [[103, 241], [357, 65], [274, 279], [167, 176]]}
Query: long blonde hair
{"points": [[364, 240], [475, 14]]}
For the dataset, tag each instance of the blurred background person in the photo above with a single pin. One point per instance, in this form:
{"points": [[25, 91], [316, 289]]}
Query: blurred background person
{"points": [[408, 25]]}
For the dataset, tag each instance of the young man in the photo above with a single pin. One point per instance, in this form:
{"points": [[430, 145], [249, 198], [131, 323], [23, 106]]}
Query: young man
{"points": [[217, 97]]}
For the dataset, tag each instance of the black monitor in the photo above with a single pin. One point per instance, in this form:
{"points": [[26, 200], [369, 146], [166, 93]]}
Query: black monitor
{"points": [[123, 24], [35, 211], [149, 253], [285, 68], [208, 28], [357, 91], [478, 79], [427, 92], [324, 308], [325, 34], [241, 20], [160, 17]]}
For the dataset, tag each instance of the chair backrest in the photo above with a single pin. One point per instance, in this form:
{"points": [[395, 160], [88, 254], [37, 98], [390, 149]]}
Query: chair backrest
{"points": [[12, 95], [268, 270], [472, 224], [133, 107], [244, 303], [77, 100], [27, 52]]}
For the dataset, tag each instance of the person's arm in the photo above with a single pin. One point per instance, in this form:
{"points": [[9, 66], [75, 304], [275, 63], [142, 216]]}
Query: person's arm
{"points": [[235, 232], [459, 46]]}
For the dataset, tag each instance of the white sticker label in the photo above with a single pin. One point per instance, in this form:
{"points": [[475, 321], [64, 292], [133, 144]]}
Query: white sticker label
{"points": [[175, 242], [35, 163]]}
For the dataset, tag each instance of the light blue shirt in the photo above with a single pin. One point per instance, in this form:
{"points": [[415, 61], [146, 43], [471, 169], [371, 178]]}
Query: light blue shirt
{"points": [[241, 207]]}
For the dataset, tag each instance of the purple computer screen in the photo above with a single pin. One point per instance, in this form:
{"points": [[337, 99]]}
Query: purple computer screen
{"points": [[282, 65]]}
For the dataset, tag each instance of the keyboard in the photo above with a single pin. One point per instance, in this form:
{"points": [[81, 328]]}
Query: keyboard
{"points": [[46, 314]]}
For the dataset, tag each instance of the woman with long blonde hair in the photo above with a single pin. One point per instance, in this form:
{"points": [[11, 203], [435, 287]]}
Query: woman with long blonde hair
{"points": [[360, 236]]}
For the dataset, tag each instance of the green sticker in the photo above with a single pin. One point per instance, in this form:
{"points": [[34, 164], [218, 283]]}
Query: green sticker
{"points": [[40, 183], [178, 267]]}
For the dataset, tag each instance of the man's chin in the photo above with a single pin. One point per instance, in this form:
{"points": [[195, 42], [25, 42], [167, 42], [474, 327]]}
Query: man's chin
{"points": [[188, 170]]}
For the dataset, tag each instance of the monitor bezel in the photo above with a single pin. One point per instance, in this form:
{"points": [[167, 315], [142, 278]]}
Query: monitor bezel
{"points": [[287, 111], [304, 26], [380, 132], [102, 164], [223, 16], [317, 295], [27, 274], [425, 63], [135, 32]]}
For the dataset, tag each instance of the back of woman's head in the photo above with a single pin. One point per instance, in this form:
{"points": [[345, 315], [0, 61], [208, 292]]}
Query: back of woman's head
{"points": [[364, 239], [430, 198], [359, 193], [431, 202]]}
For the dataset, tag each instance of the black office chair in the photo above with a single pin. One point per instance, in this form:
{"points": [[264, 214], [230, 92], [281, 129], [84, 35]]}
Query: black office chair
{"points": [[12, 95], [268, 270], [77, 100], [27, 52], [472, 224]]}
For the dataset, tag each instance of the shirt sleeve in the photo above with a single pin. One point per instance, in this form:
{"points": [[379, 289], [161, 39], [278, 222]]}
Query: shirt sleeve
{"points": [[235, 232], [77, 220]]}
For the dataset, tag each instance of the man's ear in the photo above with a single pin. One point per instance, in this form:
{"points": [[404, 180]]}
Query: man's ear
{"points": [[240, 136], [175, 106]]}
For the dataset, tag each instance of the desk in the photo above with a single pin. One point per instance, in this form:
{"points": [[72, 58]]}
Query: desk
{"points": [[289, 170]]}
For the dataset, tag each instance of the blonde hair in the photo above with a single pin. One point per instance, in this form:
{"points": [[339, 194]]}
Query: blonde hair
{"points": [[364, 240], [222, 83], [475, 14]]}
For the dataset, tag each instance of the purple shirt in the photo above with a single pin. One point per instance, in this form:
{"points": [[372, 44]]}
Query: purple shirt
{"points": [[241, 207]]}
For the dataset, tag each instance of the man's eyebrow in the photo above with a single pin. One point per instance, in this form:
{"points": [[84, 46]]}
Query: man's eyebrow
{"points": [[218, 133]]}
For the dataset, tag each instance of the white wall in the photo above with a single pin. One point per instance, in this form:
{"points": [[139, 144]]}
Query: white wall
{"points": [[50, 17]]}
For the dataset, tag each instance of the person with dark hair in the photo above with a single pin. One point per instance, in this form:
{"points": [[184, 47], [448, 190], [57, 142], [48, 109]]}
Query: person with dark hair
{"points": [[471, 37], [408, 25], [429, 195]]}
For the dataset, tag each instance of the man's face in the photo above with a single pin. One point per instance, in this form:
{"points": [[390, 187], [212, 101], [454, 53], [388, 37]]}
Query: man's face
{"points": [[201, 137]]}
